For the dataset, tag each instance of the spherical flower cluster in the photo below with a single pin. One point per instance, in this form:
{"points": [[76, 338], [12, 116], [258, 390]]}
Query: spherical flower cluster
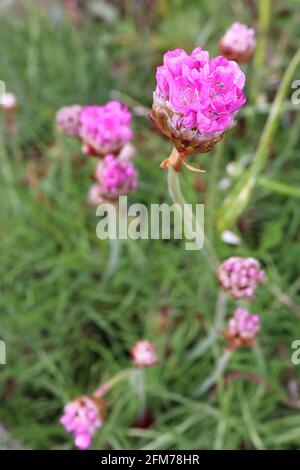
{"points": [[240, 276], [242, 328], [67, 120], [196, 99], [105, 129], [238, 43], [114, 178], [143, 354], [82, 417]]}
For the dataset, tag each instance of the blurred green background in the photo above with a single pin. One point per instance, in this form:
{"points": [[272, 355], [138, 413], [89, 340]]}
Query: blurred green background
{"points": [[65, 330]]}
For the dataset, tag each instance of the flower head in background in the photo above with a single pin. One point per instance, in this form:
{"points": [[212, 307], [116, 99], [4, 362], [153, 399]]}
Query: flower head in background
{"points": [[238, 43], [115, 177], [105, 129], [242, 328], [196, 100], [67, 120], [95, 196], [239, 277], [82, 417], [143, 354]]}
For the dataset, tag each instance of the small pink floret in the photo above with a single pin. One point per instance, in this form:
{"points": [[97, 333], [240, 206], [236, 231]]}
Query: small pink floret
{"points": [[240, 276], [115, 177], [81, 418]]}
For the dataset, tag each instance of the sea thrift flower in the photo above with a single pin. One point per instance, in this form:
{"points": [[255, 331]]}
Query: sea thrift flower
{"points": [[67, 120], [196, 100], [115, 177], [238, 43], [105, 129], [242, 328], [143, 354], [82, 417], [240, 276]]}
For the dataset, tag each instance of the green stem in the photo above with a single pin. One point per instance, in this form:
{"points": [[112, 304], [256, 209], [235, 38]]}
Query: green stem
{"points": [[216, 375], [107, 386], [190, 220], [216, 329], [113, 261], [264, 15], [212, 185], [278, 187]]}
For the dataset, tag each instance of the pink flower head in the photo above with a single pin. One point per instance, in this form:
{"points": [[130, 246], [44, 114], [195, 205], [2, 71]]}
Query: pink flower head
{"points": [[240, 276], [143, 354], [105, 129], [242, 328], [67, 120], [196, 99], [82, 417], [238, 43], [115, 177]]}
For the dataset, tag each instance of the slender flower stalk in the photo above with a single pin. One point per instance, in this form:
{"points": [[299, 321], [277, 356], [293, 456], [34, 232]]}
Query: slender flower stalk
{"points": [[113, 260], [242, 329], [215, 331], [191, 223], [221, 365]]}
